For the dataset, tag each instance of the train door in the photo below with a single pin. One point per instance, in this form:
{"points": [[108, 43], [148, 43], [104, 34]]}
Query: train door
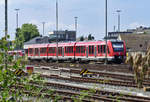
{"points": [[37, 52], [30, 52], [103, 50], [87, 52], [62, 51], [95, 52], [59, 51], [91, 50], [83, 49], [99, 50]]}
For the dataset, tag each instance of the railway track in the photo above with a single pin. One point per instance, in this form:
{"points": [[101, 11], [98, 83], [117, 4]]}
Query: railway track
{"points": [[98, 94], [118, 79], [69, 91], [110, 75], [92, 80], [125, 78], [91, 66]]}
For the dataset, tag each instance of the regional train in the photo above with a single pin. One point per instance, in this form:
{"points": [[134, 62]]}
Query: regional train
{"points": [[78, 51], [18, 53]]}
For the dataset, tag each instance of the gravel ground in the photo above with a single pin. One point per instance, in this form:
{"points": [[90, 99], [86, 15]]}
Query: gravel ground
{"points": [[126, 90]]}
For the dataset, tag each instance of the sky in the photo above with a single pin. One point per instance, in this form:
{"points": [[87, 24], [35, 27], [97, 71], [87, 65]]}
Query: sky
{"points": [[90, 13]]}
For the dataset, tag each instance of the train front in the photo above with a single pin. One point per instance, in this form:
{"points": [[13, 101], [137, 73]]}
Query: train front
{"points": [[119, 51]]}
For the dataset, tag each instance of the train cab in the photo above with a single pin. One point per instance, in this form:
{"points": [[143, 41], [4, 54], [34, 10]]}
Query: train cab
{"points": [[119, 50]]}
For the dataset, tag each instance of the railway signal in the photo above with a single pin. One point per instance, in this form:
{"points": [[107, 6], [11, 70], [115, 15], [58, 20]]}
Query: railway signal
{"points": [[86, 73], [29, 69], [19, 72]]}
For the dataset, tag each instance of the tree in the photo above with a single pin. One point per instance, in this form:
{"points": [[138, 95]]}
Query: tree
{"points": [[29, 31], [14, 87], [24, 34], [19, 40], [81, 38], [90, 37]]}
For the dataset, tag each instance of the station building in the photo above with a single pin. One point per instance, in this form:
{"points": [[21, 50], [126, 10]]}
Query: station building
{"points": [[63, 35]]}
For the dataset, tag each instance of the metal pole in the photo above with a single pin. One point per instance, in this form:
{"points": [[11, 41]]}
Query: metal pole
{"points": [[76, 24], [17, 18], [57, 28], [6, 19], [118, 11], [119, 22], [106, 31], [17, 26], [43, 28], [6, 29], [114, 28]]}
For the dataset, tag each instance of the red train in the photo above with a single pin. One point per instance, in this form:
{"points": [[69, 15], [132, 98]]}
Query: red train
{"points": [[18, 53], [78, 51]]}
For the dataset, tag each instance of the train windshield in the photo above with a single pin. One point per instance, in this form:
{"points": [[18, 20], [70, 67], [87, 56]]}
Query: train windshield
{"points": [[118, 46]]}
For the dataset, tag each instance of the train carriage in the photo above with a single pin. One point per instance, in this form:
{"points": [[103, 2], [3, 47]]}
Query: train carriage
{"points": [[18, 53], [37, 51], [79, 51]]}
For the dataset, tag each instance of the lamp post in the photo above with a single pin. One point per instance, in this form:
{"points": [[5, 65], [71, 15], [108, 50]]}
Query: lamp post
{"points": [[57, 28], [43, 28], [118, 11], [76, 24], [106, 31], [6, 18], [114, 27], [17, 26], [17, 18], [6, 30]]}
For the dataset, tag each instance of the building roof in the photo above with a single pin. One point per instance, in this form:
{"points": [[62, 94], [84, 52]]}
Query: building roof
{"points": [[38, 40], [136, 42]]}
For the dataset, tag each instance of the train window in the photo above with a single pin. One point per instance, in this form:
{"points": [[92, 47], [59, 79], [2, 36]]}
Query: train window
{"points": [[30, 51], [78, 49], [69, 49], [52, 50], [43, 50], [36, 51], [108, 49], [82, 49], [118, 46], [26, 51], [60, 50], [65, 49], [91, 49], [99, 48], [104, 48]]}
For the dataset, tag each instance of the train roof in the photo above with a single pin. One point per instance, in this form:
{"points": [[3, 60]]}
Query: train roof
{"points": [[35, 46], [63, 44], [91, 43]]}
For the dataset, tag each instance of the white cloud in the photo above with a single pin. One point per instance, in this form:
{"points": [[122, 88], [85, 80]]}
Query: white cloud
{"points": [[135, 25], [50, 26], [33, 21], [2, 2], [70, 27]]}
